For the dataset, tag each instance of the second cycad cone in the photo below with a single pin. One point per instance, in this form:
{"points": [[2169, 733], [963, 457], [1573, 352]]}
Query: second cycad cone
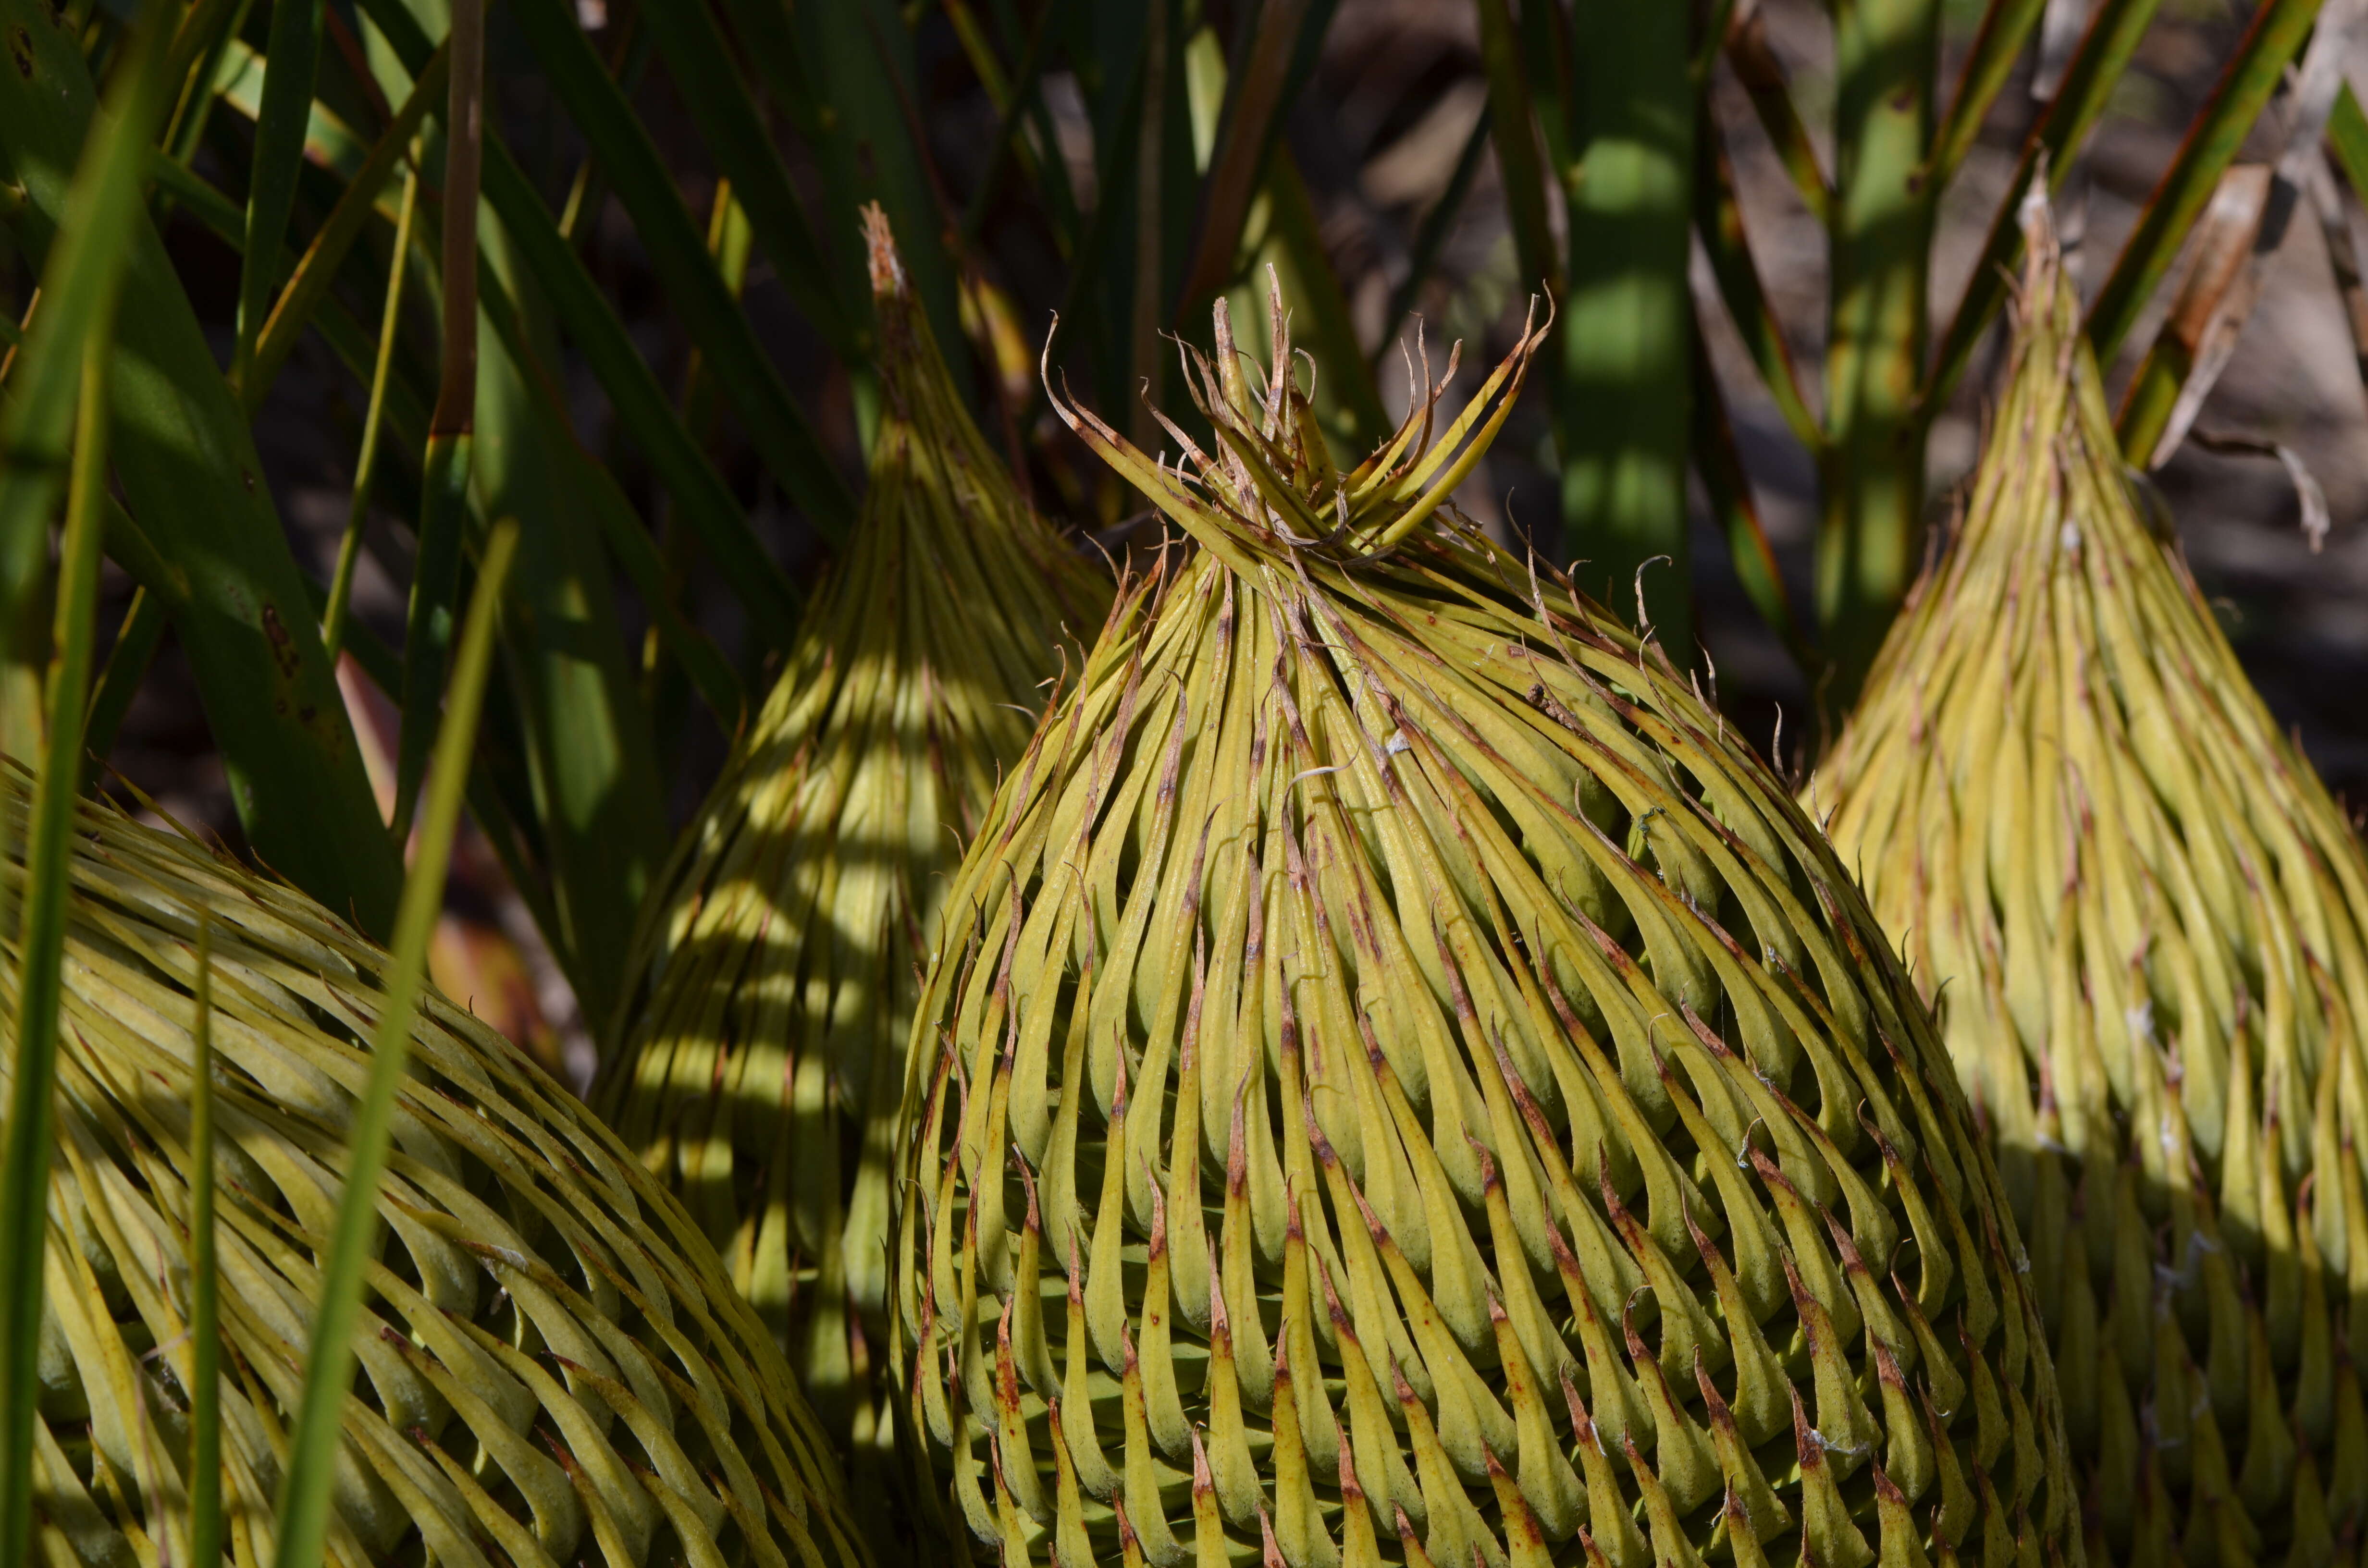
{"points": [[1401, 1086], [2143, 917], [774, 976]]}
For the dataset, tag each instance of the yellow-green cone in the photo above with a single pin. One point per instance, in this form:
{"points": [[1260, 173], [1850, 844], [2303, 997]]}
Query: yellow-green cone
{"points": [[774, 977], [2144, 918], [554, 1367], [1403, 1087]]}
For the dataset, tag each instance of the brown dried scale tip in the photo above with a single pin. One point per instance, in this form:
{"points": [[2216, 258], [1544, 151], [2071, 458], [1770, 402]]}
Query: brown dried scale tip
{"points": [[773, 978], [554, 1367], [2148, 925], [1415, 1017]]}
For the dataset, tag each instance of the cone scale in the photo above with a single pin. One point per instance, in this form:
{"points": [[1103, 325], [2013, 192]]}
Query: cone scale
{"points": [[552, 1366], [2145, 918], [774, 978], [1401, 1086]]}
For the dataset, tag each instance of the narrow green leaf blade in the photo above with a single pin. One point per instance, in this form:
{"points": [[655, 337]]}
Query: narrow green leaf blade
{"points": [[188, 471], [341, 583], [86, 269], [1728, 485], [2213, 138], [1718, 219], [1513, 125], [1256, 103], [1990, 59], [2090, 77], [318, 268], [291, 63], [588, 744], [316, 1435], [678, 255], [711, 87], [451, 428], [119, 682]]}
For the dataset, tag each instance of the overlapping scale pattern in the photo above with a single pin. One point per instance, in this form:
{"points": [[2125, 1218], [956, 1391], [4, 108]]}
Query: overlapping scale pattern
{"points": [[1403, 1086], [553, 1368], [776, 970], [2144, 919]]}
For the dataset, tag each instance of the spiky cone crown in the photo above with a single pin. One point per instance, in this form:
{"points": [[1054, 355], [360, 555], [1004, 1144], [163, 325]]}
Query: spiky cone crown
{"points": [[2145, 917], [1401, 1086], [775, 975], [552, 1364]]}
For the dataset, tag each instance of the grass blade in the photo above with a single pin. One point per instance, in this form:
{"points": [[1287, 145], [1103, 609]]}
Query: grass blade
{"points": [[198, 38], [2095, 69], [353, 343], [341, 584], [589, 747], [280, 128], [1255, 102], [78, 292], [2347, 141], [1879, 241], [451, 428], [25, 1154], [1990, 59], [119, 682], [1718, 219], [638, 174], [700, 63], [209, 31], [1628, 320], [318, 268], [1728, 485], [861, 52], [641, 405], [2213, 138], [1013, 98], [2223, 280], [1513, 127], [187, 465], [317, 1435], [205, 1306], [1756, 66], [82, 285]]}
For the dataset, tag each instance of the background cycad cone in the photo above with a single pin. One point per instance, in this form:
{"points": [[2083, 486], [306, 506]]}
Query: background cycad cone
{"points": [[552, 1366], [774, 976], [1401, 1086], [2145, 918]]}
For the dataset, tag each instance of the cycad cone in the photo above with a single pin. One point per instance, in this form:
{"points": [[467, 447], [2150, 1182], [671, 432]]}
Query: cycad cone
{"points": [[775, 975], [2144, 919], [1401, 1088], [552, 1365]]}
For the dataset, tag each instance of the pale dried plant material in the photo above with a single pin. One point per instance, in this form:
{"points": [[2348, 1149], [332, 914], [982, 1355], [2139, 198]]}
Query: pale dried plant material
{"points": [[2144, 917], [1401, 1088], [775, 969], [553, 1365]]}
